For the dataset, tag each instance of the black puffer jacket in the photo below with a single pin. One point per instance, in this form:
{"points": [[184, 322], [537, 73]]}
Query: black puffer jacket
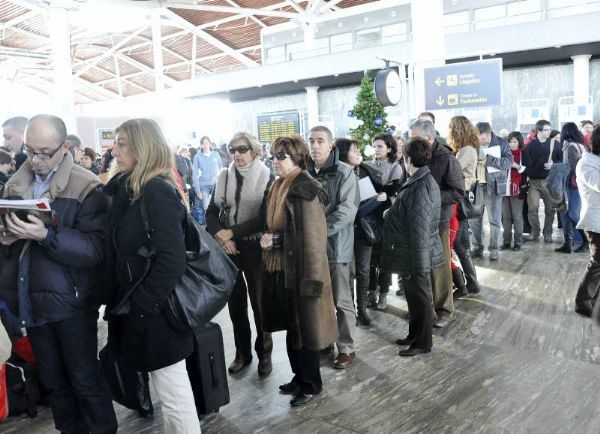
{"points": [[411, 238], [448, 174]]}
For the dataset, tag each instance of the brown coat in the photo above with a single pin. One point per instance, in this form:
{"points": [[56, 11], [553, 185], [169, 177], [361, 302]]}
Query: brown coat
{"points": [[302, 301]]}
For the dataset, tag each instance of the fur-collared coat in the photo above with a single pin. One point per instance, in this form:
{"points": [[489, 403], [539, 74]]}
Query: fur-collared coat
{"points": [[301, 301]]}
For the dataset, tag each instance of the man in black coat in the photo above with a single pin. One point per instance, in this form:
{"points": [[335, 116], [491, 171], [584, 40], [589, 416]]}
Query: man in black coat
{"points": [[412, 245], [447, 172], [13, 130], [53, 266], [538, 157]]}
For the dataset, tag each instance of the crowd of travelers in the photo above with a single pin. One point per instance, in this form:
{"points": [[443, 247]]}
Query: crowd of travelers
{"points": [[316, 231]]}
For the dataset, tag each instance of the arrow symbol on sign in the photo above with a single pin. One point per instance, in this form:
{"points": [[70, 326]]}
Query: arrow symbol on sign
{"points": [[440, 100], [439, 82]]}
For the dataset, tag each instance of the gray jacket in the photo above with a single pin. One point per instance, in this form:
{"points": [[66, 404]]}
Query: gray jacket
{"points": [[340, 183], [496, 181]]}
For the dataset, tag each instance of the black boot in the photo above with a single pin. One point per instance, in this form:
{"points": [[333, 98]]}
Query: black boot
{"points": [[470, 274], [565, 248], [362, 318], [584, 246], [459, 283]]}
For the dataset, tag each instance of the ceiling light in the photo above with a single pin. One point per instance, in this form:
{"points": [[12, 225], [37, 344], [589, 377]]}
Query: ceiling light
{"points": [[557, 46], [340, 25], [366, 19], [336, 75], [295, 81]]}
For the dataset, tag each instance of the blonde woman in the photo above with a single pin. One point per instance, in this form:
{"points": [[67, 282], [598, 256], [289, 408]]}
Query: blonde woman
{"points": [[463, 138], [143, 336]]}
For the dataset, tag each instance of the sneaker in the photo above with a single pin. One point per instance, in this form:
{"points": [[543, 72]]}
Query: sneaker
{"points": [[517, 247], [382, 303], [493, 255]]}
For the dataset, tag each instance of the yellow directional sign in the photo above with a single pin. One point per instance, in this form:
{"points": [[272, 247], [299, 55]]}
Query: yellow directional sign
{"points": [[440, 100]]}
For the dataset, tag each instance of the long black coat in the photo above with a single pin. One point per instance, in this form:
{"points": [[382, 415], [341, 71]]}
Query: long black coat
{"points": [[411, 239], [144, 336]]}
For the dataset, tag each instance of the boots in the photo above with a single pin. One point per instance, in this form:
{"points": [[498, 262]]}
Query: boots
{"points": [[567, 246], [372, 299], [362, 318], [459, 282], [470, 274], [584, 246]]}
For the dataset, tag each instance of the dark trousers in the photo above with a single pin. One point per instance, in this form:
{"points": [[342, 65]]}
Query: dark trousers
{"points": [[247, 284], [362, 266], [462, 247], [66, 352], [590, 283], [379, 279], [306, 366], [418, 297]]}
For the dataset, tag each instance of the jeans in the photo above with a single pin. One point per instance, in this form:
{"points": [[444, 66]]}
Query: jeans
{"points": [[512, 215], [493, 209], [344, 306], [206, 191], [538, 190], [362, 264], [306, 368], [66, 353], [590, 283], [174, 391], [247, 284]]}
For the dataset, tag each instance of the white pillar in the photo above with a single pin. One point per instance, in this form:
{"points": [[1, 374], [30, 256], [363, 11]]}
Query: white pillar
{"points": [[428, 45], [581, 78], [312, 104], [157, 51], [60, 40]]}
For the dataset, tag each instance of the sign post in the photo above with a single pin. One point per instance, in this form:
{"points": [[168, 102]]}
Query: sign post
{"points": [[464, 85]]}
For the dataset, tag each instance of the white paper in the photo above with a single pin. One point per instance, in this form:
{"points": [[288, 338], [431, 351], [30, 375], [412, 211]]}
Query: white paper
{"points": [[494, 151], [366, 188], [31, 204]]}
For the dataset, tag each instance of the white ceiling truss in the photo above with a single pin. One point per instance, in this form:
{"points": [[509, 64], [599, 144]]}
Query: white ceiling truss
{"points": [[106, 70]]}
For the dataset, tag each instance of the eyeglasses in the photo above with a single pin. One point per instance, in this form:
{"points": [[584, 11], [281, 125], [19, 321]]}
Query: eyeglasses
{"points": [[41, 155], [240, 149], [280, 156]]}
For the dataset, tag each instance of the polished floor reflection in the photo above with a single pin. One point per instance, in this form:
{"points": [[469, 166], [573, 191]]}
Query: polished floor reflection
{"points": [[516, 358]]}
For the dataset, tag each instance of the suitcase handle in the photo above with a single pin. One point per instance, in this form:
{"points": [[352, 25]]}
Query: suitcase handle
{"points": [[211, 362]]}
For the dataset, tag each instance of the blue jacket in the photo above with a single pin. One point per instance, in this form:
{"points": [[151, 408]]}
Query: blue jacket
{"points": [[206, 169], [55, 278]]}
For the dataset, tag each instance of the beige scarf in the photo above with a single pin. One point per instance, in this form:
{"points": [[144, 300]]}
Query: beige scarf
{"points": [[273, 258]]}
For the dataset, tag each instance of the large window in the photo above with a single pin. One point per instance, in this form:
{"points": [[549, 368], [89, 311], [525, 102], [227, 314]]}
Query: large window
{"points": [[368, 37], [341, 42]]}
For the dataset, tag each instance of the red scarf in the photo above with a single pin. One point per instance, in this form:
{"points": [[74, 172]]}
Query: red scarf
{"points": [[515, 176]]}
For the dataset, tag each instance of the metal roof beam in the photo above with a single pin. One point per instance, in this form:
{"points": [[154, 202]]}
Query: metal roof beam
{"points": [[246, 12], [252, 17], [296, 6], [20, 19], [209, 38], [213, 56], [143, 67]]}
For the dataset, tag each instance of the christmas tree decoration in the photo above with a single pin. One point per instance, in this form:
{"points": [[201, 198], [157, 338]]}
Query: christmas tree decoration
{"points": [[350, 113], [370, 112]]}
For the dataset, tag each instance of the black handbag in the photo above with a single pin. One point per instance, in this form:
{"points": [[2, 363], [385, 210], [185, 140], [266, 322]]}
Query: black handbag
{"points": [[473, 203], [208, 280], [370, 227]]}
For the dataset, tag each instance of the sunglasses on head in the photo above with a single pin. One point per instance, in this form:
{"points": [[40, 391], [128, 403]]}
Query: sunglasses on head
{"points": [[241, 149], [280, 156]]}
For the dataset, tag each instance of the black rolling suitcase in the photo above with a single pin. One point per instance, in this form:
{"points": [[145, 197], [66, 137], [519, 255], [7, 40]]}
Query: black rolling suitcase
{"points": [[207, 372]]}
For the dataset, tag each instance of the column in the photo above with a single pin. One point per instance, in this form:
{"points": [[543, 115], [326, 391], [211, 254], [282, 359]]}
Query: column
{"points": [[60, 41], [312, 104], [581, 78], [157, 51], [427, 25]]}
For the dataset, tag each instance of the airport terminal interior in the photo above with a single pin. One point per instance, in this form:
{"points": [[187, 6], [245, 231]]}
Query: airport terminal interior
{"points": [[513, 357]]}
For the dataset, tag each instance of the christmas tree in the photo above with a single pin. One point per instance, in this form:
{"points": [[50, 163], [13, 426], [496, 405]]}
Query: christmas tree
{"points": [[370, 112]]}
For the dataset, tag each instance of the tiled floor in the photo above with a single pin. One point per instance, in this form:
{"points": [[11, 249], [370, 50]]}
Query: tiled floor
{"points": [[516, 358]]}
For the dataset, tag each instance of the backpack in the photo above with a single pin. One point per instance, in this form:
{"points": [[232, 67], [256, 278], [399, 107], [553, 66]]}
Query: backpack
{"points": [[557, 181]]}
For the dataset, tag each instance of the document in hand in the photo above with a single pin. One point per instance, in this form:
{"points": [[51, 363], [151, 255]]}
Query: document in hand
{"points": [[494, 151], [39, 207], [366, 188]]}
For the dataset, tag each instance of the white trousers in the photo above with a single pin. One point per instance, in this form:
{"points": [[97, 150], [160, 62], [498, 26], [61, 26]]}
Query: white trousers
{"points": [[172, 385]]}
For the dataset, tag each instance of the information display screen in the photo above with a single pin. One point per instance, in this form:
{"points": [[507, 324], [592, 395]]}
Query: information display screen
{"points": [[271, 126]]}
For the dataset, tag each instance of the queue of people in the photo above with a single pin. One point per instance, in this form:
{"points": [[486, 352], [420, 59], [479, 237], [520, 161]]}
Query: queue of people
{"points": [[301, 234]]}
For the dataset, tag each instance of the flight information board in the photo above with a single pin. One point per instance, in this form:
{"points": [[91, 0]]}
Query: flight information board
{"points": [[271, 126]]}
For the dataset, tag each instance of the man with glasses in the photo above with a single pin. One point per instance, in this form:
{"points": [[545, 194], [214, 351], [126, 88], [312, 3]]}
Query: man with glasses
{"points": [[339, 181], [13, 130], [56, 303], [537, 159]]}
